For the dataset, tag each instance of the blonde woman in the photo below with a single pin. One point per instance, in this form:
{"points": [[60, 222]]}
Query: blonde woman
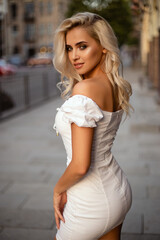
{"points": [[93, 196]]}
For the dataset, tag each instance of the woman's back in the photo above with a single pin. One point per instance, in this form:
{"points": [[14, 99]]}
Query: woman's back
{"points": [[100, 91]]}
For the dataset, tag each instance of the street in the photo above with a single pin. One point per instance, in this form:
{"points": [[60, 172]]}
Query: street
{"points": [[32, 158]]}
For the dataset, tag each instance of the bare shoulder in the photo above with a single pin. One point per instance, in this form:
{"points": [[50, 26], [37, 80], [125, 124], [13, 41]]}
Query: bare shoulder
{"points": [[99, 90], [87, 87]]}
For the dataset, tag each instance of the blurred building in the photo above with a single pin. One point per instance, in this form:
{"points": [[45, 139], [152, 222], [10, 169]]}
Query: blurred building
{"points": [[3, 23], [149, 15], [29, 26]]}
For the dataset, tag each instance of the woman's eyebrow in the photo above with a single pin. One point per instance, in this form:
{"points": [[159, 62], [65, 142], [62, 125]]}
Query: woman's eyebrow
{"points": [[78, 43]]}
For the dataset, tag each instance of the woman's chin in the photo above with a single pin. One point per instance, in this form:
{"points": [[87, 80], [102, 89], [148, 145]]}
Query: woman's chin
{"points": [[80, 72]]}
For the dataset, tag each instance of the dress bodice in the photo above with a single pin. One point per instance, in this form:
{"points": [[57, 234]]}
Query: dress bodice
{"points": [[84, 112]]}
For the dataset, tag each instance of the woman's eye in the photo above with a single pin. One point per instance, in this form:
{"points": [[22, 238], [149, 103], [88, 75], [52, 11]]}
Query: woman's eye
{"points": [[68, 49], [82, 47]]}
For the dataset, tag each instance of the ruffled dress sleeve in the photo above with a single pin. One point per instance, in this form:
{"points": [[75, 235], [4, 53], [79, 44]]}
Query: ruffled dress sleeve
{"points": [[82, 111]]}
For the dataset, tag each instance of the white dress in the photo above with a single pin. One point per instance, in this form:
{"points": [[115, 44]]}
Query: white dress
{"points": [[101, 199]]}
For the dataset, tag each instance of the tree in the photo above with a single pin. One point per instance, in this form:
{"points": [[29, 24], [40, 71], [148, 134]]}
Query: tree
{"points": [[116, 12]]}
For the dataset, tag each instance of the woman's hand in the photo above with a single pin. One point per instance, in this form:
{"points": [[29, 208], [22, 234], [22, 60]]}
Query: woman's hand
{"points": [[59, 201]]}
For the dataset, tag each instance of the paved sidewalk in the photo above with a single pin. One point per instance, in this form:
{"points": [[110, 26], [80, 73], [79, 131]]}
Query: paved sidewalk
{"points": [[32, 158]]}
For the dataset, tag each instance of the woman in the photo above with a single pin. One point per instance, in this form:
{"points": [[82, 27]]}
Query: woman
{"points": [[93, 195]]}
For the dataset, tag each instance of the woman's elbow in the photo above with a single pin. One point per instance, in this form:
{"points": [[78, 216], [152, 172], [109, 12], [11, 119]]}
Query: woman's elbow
{"points": [[80, 167], [81, 170]]}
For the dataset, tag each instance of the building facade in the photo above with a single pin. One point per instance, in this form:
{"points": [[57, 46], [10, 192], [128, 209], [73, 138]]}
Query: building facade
{"points": [[30, 26], [149, 12]]}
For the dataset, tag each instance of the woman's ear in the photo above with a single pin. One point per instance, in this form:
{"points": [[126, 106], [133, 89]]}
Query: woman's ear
{"points": [[104, 50]]}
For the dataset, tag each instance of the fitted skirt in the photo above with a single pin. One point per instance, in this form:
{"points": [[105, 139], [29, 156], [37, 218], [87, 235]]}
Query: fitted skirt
{"points": [[96, 204]]}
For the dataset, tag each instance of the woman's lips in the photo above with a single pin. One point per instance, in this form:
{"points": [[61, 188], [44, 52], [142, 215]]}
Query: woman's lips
{"points": [[78, 65]]}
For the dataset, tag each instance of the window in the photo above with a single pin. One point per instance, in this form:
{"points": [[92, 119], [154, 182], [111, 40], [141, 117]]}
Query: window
{"points": [[49, 7], [15, 30], [14, 10], [29, 9], [15, 50], [30, 32], [31, 52]]}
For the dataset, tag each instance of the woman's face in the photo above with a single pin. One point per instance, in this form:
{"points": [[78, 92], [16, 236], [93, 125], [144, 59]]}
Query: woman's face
{"points": [[84, 52]]}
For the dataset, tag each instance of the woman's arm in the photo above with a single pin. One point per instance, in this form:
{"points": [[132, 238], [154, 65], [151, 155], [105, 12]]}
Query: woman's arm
{"points": [[81, 147], [81, 157]]}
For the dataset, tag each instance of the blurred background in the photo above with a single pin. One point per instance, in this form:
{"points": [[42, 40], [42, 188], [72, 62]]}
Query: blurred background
{"points": [[32, 158], [26, 41]]}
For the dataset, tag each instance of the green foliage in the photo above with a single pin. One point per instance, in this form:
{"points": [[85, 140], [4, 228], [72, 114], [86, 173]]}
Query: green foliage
{"points": [[116, 12], [133, 41]]}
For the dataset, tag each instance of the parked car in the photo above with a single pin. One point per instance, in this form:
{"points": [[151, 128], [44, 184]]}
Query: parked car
{"points": [[6, 68], [40, 59], [16, 59]]}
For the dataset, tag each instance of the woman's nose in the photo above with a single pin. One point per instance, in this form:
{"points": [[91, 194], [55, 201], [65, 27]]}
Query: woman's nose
{"points": [[75, 55]]}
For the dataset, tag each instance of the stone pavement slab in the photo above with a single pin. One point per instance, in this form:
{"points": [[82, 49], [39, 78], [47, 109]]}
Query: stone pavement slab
{"points": [[22, 176], [26, 234], [149, 223], [39, 202], [133, 224], [38, 189], [154, 192], [140, 237], [13, 200], [3, 186], [26, 218]]}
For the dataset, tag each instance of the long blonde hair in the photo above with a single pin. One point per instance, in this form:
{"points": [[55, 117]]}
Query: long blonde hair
{"points": [[101, 31]]}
